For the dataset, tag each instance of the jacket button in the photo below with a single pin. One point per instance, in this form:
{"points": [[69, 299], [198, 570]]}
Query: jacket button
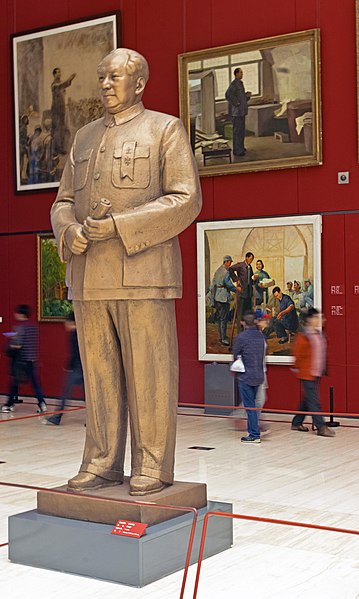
{"points": [[96, 176], [103, 148]]}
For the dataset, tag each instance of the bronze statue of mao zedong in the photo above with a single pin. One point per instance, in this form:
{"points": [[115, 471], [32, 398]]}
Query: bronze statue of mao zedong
{"points": [[124, 274]]}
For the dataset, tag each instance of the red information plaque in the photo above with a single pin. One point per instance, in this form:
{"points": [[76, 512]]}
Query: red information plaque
{"points": [[129, 529]]}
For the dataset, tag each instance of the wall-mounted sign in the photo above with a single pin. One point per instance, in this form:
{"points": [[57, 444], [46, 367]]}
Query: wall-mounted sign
{"points": [[337, 310], [337, 289]]}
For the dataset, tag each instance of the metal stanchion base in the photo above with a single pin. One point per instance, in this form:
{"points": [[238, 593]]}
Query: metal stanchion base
{"points": [[332, 424]]}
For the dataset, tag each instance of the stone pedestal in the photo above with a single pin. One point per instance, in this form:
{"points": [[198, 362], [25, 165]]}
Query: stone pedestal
{"points": [[89, 548], [68, 505]]}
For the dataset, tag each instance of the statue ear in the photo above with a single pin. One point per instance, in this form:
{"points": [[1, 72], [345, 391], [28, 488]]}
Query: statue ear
{"points": [[140, 85]]}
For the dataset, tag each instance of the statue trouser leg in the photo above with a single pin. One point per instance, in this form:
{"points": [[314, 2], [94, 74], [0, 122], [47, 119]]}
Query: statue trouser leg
{"points": [[130, 360]]}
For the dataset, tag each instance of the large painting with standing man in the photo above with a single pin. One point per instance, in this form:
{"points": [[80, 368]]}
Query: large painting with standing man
{"points": [[271, 266], [54, 70], [253, 105]]}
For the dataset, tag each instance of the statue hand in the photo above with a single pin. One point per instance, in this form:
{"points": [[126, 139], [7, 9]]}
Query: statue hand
{"points": [[99, 229], [75, 240]]}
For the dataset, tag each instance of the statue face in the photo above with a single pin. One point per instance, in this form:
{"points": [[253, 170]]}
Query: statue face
{"points": [[119, 90]]}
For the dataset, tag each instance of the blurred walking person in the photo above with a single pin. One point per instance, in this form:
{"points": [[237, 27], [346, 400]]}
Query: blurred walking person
{"points": [[74, 374], [310, 350], [26, 343], [250, 346]]}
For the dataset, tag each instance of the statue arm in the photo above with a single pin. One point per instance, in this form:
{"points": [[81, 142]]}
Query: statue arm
{"points": [[67, 229], [165, 217]]}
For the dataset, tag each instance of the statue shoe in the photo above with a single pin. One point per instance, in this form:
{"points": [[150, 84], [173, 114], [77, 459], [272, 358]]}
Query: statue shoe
{"points": [[145, 485], [85, 481]]}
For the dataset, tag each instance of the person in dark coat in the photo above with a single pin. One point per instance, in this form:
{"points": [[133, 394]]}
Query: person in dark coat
{"points": [[74, 374], [250, 345], [242, 274], [26, 342], [237, 99]]}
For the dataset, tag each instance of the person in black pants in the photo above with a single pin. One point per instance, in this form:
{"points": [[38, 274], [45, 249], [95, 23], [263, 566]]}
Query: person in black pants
{"points": [[74, 374], [26, 343], [237, 99]]}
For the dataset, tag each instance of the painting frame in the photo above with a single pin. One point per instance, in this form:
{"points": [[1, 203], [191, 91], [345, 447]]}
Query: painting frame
{"points": [[52, 305], [199, 101], [48, 65], [215, 234]]}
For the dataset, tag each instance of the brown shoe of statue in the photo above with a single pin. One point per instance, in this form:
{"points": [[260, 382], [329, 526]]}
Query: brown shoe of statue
{"points": [[85, 481], [145, 485], [325, 431]]}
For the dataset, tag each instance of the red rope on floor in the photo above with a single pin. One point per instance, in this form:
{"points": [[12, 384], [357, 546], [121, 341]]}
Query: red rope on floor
{"points": [[257, 519], [271, 410], [41, 415]]}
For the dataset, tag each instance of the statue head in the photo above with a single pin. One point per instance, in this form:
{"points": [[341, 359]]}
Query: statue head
{"points": [[122, 76]]}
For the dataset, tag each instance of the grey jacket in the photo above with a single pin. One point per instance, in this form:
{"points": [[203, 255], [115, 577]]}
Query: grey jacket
{"points": [[222, 285]]}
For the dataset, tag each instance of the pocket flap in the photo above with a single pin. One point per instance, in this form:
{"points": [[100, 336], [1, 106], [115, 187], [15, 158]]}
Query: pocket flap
{"points": [[84, 156], [140, 152]]}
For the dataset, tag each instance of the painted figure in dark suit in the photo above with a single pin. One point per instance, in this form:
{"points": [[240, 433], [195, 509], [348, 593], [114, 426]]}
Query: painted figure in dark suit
{"points": [[242, 272], [60, 132], [237, 99]]}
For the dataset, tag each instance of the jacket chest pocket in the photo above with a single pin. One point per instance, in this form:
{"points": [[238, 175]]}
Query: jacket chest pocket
{"points": [[131, 166], [82, 165]]}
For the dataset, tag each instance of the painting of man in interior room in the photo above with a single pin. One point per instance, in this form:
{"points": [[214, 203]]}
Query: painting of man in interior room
{"points": [[264, 265], [55, 93], [255, 105]]}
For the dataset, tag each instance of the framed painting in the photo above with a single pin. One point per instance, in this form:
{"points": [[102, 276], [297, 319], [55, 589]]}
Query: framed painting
{"points": [[255, 105], [52, 302], [273, 253], [55, 93]]}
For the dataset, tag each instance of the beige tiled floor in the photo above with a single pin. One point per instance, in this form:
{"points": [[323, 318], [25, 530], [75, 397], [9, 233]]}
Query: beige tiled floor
{"points": [[290, 476]]}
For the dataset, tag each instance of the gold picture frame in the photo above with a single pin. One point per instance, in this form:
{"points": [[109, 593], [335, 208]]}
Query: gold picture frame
{"points": [[283, 124], [52, 302], [54, 94]]}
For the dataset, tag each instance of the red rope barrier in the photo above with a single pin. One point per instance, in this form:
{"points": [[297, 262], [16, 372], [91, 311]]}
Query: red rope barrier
{"points": [[256, 519], [126, 502], [40, 415], [272, 410]]}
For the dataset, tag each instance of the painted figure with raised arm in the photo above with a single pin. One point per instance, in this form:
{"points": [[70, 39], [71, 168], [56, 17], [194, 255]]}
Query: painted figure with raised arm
{"points": [[124, 273]]}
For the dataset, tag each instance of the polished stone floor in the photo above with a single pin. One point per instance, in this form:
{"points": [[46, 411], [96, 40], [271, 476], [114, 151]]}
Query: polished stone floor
{"points": [[290, 476]]}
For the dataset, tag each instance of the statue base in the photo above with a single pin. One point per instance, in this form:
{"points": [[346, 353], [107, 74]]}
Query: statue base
{"points": [[68, 505], [89, 548]]}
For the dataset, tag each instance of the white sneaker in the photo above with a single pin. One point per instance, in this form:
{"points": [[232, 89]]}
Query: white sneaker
{"points": [[42, 409], [7, 409]]}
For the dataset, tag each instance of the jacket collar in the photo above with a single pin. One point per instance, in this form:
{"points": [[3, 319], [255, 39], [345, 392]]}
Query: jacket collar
{"points": [[124, 116]]}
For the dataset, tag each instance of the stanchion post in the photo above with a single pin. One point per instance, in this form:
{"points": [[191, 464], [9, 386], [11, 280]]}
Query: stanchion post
{"points": [[331, 408]]}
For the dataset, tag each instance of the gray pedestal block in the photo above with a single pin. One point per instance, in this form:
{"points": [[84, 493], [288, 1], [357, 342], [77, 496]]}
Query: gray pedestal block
{"points": [[89, 549], [219, 389]]}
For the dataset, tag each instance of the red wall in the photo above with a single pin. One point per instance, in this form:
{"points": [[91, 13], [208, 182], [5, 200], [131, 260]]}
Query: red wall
{"points": [[161, 29]]}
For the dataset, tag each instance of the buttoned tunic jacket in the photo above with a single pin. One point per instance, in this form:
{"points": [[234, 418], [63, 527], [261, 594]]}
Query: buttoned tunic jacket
{"points": [[142, 162], [222, 285]]}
